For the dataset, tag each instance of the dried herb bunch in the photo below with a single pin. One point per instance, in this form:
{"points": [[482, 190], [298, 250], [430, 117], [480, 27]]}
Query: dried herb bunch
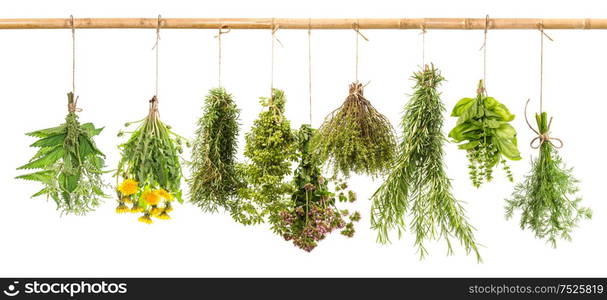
{"points": [[69, 164], [270, 148], [356, 137], [418, 184], [150, 168], [214, 182], [483, 124], [547, 197], [312, 213]]}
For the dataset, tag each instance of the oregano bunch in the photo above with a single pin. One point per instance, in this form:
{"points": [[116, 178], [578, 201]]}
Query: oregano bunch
{"points": [[68, 164], [312, 212], [270, 149], [356, 138], [214, 182], [418, 186], [150, 168], [547, 198], [483, 124]]}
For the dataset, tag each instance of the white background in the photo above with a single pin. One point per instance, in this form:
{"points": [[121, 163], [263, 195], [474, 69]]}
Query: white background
{"points": [[115, 79]]}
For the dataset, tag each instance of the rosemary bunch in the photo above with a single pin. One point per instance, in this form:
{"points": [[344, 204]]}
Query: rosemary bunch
{"points": [[150, 168], [270, 148], [214, 182], [312, 213], [547, 197], [356, 137], [483, 124], [69, 163], [418, 185]]}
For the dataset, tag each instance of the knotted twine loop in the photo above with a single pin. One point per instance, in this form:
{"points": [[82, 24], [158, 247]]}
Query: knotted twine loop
{"points": [[154, 106], [542, 137], [223, 29], [72, 104], [155, 47], [356, 28]]}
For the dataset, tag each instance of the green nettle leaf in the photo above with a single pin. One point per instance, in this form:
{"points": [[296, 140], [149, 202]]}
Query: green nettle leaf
{"points": [[490, 140], [356, 137], [69, 164], [418, 185], [547, 197], [150, 168], [312, 212], [270, 148], [214, 181]]}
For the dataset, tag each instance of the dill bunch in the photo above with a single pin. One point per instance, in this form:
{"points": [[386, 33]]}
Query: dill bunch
{"points": [[489, 140], [547, 197], [150, 168], [312, 212], [214, 182], [356, 137], [270, 149], [69, 164], [418, 185]]}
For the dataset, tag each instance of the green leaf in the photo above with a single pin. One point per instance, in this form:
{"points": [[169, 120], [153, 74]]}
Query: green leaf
{"points": [[41, 176], [47, 132], [461, 106], [45, 161], [90, 129], [469, 145], [50, 141], [508, 148]]}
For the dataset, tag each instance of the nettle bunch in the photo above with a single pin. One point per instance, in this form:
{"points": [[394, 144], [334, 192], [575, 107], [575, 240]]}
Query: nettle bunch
{"points": [[483, 124], [418, 184], [270, 148], [214, 182], [356, 137], [150, 168], [547, 197], [69, 164], [312, 213]]}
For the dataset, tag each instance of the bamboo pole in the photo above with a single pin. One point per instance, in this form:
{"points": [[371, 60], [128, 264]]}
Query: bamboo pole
{"points": [[304, 23]]}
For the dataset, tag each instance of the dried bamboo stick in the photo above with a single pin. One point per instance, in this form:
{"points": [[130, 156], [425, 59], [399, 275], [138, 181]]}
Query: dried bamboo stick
{"points": [[303, 23]]}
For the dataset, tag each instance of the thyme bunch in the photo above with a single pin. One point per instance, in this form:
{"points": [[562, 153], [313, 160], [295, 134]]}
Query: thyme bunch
{"points": [[312, 213], [214, 182], [356, 137], [418, 185], [69, 164], [270, 148], [150, 168], [483, 123], [547, 197]]}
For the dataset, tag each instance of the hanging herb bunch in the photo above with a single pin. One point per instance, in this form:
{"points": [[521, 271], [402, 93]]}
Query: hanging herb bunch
{"points": [[547, 197], [356, 137], [483, 124], [69, 164], [149, 168], [418, 184], [312, 213], [214, 181], [270, 148]]}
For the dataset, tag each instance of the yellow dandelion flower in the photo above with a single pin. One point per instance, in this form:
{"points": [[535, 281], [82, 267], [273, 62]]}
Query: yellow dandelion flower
{"points": [[128, 187], [168, 207], [122, 208], [151, 197], [136, 209], [126, 200], [163, 216], [155, 211], [164, 194], [146, 219]]}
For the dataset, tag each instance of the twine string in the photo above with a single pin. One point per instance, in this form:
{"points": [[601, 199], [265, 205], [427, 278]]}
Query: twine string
{"points": [[73, 54], [356, 28], [310, 67], [484, 48], [542, 35], [423, 34], [541, 138], [156, 48], [222, 30]]}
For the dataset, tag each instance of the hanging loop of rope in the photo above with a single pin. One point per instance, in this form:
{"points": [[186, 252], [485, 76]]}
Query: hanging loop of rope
{"points": [[542, 35], [422, 27], [356, 28], [310, 67], [158, 25], [223, 29], [72, 104], [541, 138], [484, 48]]}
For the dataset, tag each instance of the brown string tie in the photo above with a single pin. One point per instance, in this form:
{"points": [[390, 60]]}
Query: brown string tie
{"points": [[72, 105], [542, 138]]}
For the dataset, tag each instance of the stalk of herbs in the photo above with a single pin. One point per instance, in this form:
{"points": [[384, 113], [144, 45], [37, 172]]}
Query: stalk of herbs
{"points": [[312, 213], [270, 148], [68, 164], [418, 185], [489, 140], [150, 168], [547, 197], [214, 182], [356, 137]]}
